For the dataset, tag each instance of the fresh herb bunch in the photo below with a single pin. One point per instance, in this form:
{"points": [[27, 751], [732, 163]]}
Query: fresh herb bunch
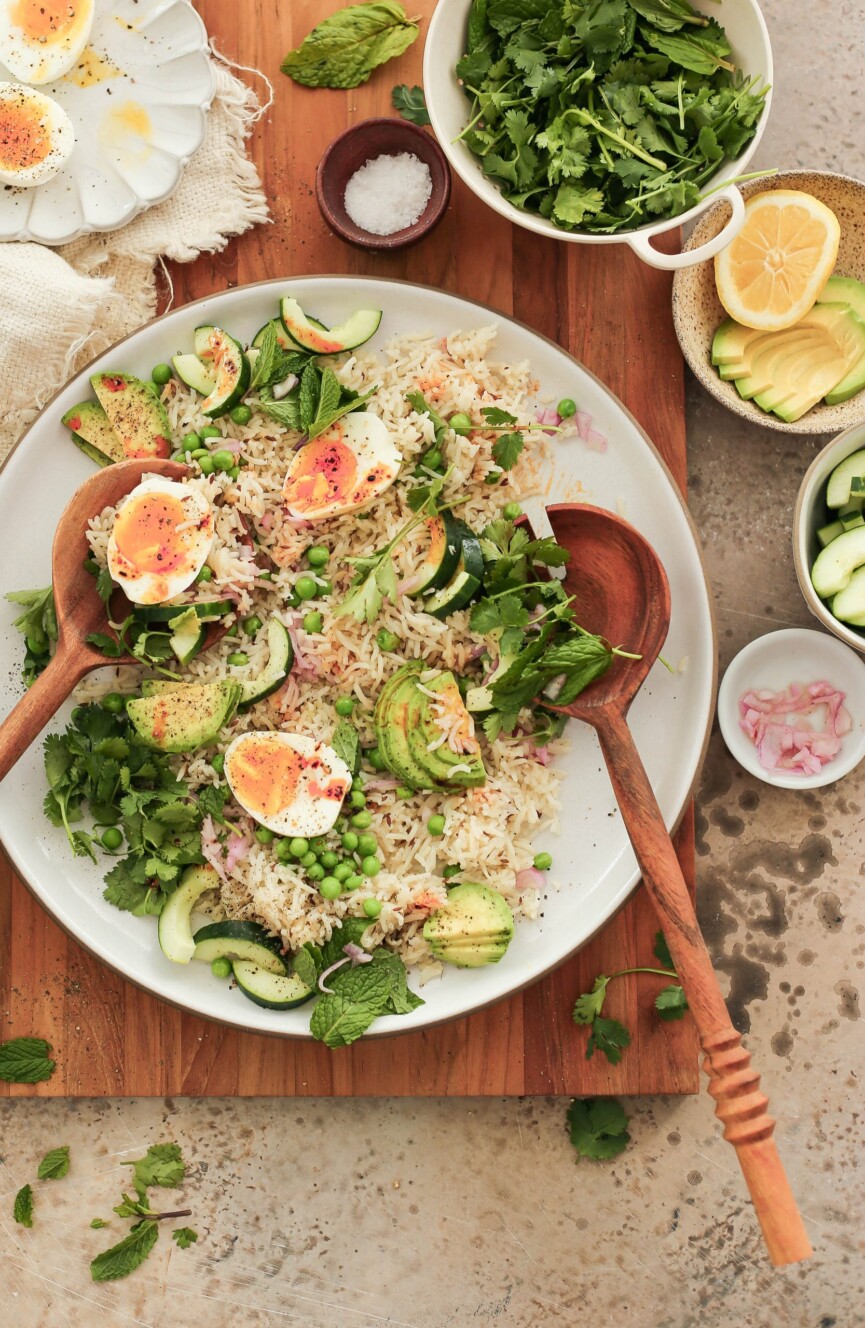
{"points": [[602, 115], [101, 764], [315, 402], [344, 49], [609, 1035], [162, 1165], [38, 625]]}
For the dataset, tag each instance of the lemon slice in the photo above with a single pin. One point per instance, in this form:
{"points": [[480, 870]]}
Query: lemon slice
{"points": [[771, 274]]}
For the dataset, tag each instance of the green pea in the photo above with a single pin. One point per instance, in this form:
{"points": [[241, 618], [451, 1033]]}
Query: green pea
{"points": [[313, 623], [318, 845], [372, 907], [221, 968], [114, 703], [206, 574], [350, 841], [435, 826], [543, 861], [511, 511], [299, 847], [264, 836], [461, 423], [344, 706], [315, 872], [453, 870], [370, 866], [205, 465], [309, 860], [210, 431], [493, 477], [252, 624], [432, 459], [353, 882], [178, 454], [403, 792], [233, 629], [218, 763], [161, 374], [341, 825], [200, 453], [566, 408], [386, 640], [342, 871], [265, 576], [361, 820], [238, 658], [330, 887], [283, 850], [324, 588], [305, 588], [318, 556], [78, 714], [367, 844], [240, 415], [329, 859], [111, 838], [222, 459], [375, 758], [357, 799], [234, 472], [190, 441]]}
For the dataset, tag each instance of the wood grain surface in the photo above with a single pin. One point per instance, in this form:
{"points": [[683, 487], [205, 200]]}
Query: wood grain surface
{"points": [[613, 314]]}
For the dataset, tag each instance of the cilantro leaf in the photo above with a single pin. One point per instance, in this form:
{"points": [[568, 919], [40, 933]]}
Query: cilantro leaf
{"points": [[589, 1005], [507, 449], [661, 951], [122, 1259], [598, 1127], [22, 1209], [25, 1060], [344, 49], [671, 1003], [97, 1223], [38, 626], [494, 415], [54, 1165], [411, 103], [423, 407], [184, 1236], [610, 1037]]}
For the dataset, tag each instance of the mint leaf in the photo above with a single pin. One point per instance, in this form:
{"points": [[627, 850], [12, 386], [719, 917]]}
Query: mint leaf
{"points": [[671, 1003], [346, 743], [598, 1127], [162, 1164], [122, 1259], [22, 1209], [54, 1165], [344, 49], [411, 103], [25, 1060], [359, 996], [184, 1236]]}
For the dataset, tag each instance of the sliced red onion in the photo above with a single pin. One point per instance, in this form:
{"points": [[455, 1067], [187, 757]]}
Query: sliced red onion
{"points": [[583, 421], [356, 953], [476, 652], [307, 665], [238, 847], [529, 879], [266, 521], [327, 972], [548, 415], [410, 584], [380, 784], [232, 445], [542, 755], [211, 847], [282, 389]]}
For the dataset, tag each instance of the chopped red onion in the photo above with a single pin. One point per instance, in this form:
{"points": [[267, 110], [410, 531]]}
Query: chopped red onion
{"points": [[282, 389], [266, 521], [596, 442], [542, 755], [583, 421], [548, 415], [356, 953], [769, 718], [529, 879]]}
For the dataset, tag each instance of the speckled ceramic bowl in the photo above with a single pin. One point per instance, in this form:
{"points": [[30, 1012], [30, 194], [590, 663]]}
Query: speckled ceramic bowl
{"points": [[697, 311]]}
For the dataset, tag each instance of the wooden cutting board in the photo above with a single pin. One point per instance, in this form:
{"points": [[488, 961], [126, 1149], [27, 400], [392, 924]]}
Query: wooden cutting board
{"points": [[613, 314]]}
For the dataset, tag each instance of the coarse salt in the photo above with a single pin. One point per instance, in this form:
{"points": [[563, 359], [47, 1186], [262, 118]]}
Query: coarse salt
{"points": [[388, 193]]}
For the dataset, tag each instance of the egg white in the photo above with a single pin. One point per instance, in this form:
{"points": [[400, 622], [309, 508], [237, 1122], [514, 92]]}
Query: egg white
{"points": [[45, 57], [147, 587], [370, 440], [308, 813], [29, 104]]}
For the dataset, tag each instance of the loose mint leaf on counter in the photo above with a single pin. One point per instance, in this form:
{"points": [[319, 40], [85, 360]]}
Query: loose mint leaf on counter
{"points": [[122, 1259], [161, 1165], [22, 1209], [598, 1127], [344, 49], [54, 1165], [25, 1060], [411, 103]]}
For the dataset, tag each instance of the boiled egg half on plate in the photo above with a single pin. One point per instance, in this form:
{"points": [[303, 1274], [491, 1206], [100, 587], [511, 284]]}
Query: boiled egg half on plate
{"points": [[287, 782], [36, 136], [40, 40], [345, 468], [160, 540]]}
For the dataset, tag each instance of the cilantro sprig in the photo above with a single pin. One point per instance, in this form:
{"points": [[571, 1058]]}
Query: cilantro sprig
{"points": [[38, 625], [611, 1037], [598, 1127]]}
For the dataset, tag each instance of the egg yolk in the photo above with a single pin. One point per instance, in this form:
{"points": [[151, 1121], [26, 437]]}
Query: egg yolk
{"points": [[153, 533], [46, 21], [324, 472], [24, 140]]}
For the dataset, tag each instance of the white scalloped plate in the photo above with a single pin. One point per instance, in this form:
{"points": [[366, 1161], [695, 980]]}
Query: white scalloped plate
{"points": [[138, 99]]}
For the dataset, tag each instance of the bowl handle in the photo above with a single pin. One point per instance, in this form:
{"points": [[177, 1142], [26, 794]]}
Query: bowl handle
{"points": [[641, 243]]}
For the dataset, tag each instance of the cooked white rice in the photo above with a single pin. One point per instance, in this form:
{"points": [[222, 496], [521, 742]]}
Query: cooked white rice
{"points": [[489, 831]]}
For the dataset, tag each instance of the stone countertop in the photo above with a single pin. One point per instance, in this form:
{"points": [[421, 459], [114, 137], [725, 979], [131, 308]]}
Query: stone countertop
{"points": [[431, 1213]]}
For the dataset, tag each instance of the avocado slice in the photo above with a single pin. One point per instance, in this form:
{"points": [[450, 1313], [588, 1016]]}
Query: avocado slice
{"points": [[136, 414], [731, 341], [185, 718], [423, 730], [92, 432], [766, 369], [391, 720], [821, 378], [474, 928]]}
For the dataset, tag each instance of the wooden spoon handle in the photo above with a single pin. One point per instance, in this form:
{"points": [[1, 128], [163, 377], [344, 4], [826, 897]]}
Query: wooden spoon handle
{"points": [[24, 724], [733, 1084]]}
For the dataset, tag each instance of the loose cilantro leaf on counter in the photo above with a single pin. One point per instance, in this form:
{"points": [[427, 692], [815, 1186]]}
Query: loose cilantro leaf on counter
{"points": [[411, 103], [97, 1223], [610, 1036], [22, 1209], [671, 1003], [344, 49], [184, 1236], [25, 1060], [122, 1259], [598, 1127], [54, 1165], [38, 626]]}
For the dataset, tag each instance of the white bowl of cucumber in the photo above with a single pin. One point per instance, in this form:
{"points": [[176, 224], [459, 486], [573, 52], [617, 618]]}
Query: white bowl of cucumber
{"points": [[829, 537]]}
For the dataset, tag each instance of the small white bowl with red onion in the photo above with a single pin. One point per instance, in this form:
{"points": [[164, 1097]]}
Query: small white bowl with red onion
{"points": [[791, 707]]}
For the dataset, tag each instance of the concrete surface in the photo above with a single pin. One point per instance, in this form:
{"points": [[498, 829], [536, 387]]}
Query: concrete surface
{"points": [[426, 1214]]}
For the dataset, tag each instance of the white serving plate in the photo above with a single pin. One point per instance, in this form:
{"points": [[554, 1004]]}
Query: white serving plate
{"points": [[593, 860], [138, 98]]}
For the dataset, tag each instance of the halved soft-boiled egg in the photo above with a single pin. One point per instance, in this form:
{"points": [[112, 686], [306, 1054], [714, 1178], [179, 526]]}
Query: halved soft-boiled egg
{"points": [[160, 540], [40, 40], [287, 782], [343, 469], [36, 136]]}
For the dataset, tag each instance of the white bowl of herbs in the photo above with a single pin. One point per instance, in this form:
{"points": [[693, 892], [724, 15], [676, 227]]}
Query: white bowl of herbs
{"points": [[601, 123]]}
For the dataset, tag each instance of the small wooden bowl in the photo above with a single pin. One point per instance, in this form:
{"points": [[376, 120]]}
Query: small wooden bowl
{"points": [[362, 143]]}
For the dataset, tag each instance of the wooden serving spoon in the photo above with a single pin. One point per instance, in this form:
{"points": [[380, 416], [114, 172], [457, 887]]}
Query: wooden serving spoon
{"points": [[623, 595], [79, 609]]}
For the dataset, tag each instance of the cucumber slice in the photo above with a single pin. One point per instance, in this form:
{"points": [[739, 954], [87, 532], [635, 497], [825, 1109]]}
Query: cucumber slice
{"points": [[284, 341], [240, 940], [187, 635], [275, 991], [455, 595], [835, 564], [277, 668], [310, 335], [223, 357], [849, 603], [442, 555], [840, 481], [826, 534], [211, 608], [192, 372], [175, 927]]}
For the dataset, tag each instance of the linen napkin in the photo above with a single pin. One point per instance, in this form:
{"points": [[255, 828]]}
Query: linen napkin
{"points": [[60, 307]]}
